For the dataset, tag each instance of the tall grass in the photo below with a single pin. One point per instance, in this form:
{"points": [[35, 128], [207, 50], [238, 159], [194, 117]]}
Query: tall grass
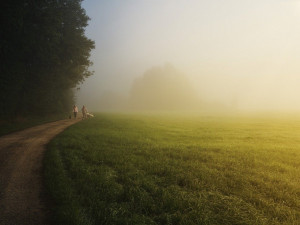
{"points": [[20, 123], [153, 169]]}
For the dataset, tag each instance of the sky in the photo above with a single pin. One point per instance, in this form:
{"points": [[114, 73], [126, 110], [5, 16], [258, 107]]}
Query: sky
{"points": [[246, 52]]}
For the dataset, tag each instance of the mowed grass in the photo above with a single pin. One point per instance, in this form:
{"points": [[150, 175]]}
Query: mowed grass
{"points": [[168, 169]]}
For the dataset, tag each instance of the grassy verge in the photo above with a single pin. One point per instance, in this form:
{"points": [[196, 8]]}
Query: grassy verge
{"points": [[7, 127], [139, 169]]}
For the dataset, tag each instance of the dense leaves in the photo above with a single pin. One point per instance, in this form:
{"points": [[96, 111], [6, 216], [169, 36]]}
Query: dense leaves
{"points": [[44, 55]]}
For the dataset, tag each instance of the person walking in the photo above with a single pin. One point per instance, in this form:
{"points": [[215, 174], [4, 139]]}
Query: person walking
{"points": [[84, 112], [75, 111]]}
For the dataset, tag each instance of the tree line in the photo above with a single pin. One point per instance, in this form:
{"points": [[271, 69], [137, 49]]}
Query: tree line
{"points": [[44, 56]]}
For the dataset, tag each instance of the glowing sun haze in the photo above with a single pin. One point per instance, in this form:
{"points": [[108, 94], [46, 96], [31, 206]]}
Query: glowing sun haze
{"points": [[246, 52]]}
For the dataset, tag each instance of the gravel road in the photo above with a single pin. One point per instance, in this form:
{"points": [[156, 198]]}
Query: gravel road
{"points": [[21, 186]]}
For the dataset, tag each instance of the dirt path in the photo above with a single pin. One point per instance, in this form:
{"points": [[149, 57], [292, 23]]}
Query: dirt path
{"points": [[21, 156]]}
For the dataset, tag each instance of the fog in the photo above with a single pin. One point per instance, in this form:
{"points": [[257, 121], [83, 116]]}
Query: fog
{"points": [[193, 55]]}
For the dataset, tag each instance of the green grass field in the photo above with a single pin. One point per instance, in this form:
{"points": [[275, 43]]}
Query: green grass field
{"points": [[171, 169]]}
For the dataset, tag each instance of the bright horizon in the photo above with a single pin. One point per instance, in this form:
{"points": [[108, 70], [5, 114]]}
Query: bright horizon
{"points": [[246, 52]]}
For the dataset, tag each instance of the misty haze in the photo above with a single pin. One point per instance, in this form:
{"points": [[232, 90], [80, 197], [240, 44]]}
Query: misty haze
{"points": [[241, 55], [150, 112], [161, 88]]}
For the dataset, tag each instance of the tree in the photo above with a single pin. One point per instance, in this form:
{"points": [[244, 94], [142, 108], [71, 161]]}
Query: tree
{"points": [[163, 88], [44, 55]]}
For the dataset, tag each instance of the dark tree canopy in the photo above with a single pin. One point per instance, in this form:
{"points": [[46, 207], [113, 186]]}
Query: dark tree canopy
{"points": [[44, 55]]}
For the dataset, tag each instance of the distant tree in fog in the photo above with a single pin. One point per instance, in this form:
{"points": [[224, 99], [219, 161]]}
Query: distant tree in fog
{"points": [[163, 88]]}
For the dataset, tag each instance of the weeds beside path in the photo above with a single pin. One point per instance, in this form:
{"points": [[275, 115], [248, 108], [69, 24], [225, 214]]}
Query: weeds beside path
{"points": [[21, 155], [18, 124]]}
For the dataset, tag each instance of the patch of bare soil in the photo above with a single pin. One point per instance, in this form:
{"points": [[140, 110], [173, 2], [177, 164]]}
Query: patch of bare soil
{"points": [[21, 185]]}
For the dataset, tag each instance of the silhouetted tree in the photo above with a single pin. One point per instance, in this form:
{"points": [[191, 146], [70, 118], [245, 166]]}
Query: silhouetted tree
{"points": [[163, 88], [44, 55]]}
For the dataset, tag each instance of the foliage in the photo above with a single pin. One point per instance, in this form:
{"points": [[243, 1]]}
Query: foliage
{"points": [[154, 169], [44, 55], [163, 88]]}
